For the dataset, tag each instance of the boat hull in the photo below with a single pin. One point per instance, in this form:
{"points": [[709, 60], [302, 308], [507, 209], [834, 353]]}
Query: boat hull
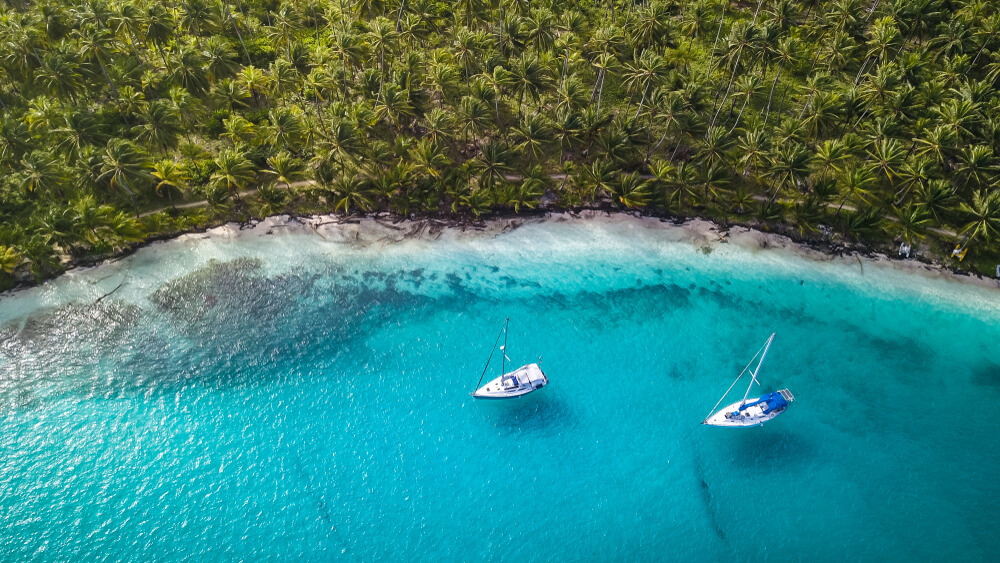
{"points": [[512, 385], [751, 416]]}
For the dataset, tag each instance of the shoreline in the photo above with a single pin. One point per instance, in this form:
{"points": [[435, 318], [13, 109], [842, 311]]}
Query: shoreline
{"points": [[389, 229]]}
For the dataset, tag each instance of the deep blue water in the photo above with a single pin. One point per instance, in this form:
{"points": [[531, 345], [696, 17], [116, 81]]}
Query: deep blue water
{"points": [[286, 397]]}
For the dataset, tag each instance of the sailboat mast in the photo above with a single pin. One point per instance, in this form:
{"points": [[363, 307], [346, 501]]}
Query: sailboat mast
{"points": [[490, 359], [753, 376], [503, 358]]}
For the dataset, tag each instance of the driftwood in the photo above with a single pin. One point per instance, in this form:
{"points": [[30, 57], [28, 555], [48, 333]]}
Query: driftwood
{"points": [[117, 287]]}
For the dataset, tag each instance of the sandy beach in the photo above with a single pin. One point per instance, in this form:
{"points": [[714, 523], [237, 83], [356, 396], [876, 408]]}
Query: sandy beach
{"points": [[384, 231], [706, 234]]}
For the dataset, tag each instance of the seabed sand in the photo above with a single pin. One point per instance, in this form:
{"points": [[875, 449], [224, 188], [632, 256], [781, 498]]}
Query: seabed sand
{"points": [[757, 252]]}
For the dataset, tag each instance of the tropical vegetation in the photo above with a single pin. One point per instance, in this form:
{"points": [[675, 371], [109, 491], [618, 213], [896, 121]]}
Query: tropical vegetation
{"points": [[868, 121]]}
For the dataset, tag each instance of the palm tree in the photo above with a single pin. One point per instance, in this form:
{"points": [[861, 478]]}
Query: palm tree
{"points": [[983, 215], [534, 134], [530, 78], [936, 143], [887, 158], [601, 176], [94, 45], [60, 75], [438, 124], [126, 20], [81, 129], [754, 150], [429, 159], [831, 156], [255, 82], [394, 106], [789, 167], [40, 173], [198, 16], [284, 169], [382, 37], [571, 95], [161, 126], [187, 69], [529, 191], [911, 222], [567, 131], [351, 194], [494, 164], [233, 172], [713, 179], [603, 62], [499, 81], [540, 30], [855, 182], [286, 128], [648, 72], [159, 23], [746, 88], [169, 177], [650, 25], [716, 147], [916, 171], [229, 94], [937, 198], [743, 36], [220, 59], [345, 140], [124, 165], [237, 129], [475, 117], [866, 222], [821, 114], [975, 165], [187, 108], [468, 45]]}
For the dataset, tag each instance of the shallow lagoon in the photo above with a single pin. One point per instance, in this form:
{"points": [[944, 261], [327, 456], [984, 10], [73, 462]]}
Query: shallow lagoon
{"points": [[305, 394]]}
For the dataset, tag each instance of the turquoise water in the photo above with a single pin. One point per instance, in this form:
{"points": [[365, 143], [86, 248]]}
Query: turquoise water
{"points": [[288, 396]]}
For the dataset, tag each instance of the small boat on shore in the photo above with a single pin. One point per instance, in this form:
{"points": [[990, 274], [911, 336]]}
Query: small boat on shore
{"points": [[751, 411], [517, 383]]}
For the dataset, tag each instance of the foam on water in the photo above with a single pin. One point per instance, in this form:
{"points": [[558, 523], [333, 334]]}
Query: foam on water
{"points": [[305, 395]]}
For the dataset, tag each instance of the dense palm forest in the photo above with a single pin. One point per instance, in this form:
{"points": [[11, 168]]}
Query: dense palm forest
{"points": [[873, 121]]}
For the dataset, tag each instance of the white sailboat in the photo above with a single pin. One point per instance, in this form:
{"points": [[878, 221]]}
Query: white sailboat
{"points": [[751, 411], [517, 383]]}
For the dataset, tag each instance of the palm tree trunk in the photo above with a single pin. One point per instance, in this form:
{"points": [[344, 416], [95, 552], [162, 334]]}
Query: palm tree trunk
{"points": [[732, 77], [114, 91], [711, 56], [771, 97], [229, 15], [735, 125], [131, 195], [600, 92], [636, 116]]}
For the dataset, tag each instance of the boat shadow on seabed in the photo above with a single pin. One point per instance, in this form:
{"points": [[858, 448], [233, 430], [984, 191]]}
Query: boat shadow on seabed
{"points": [[766, 448], [535, 412]]}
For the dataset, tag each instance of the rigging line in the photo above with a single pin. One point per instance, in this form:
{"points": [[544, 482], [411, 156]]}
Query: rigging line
{"points": [[753, 374], [503, 362], [734, 382], [491, 356]]}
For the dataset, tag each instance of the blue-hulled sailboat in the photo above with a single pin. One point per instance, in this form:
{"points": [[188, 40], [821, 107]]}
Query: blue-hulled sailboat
{"points": [[751, 411]]}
